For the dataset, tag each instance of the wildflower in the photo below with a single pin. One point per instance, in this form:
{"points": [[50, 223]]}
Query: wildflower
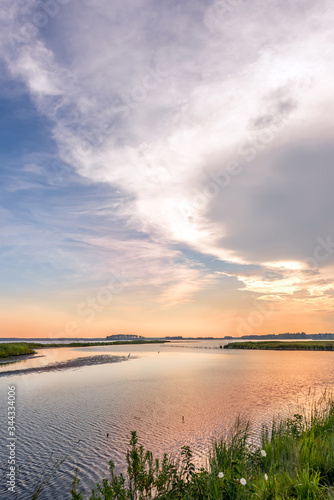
{"points": [[243, 481], [263, 453], [266, 477], [221, 475]]}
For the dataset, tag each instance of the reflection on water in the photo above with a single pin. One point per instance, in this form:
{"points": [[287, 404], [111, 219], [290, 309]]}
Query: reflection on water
{"points": [[150, 393]]}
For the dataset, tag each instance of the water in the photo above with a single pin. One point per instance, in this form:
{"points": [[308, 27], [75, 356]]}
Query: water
{"points": [[149, 392]]}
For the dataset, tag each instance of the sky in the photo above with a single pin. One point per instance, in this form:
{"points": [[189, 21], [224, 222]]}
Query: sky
{"points": [[166, 167]]}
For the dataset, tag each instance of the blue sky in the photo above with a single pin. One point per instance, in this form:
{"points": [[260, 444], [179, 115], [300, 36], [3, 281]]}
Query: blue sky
{"points": [[183, 147]]}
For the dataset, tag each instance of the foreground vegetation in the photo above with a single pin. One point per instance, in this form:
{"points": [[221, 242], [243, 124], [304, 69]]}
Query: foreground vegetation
{"points": [[10, 349], [295, 461], [312, 345]]}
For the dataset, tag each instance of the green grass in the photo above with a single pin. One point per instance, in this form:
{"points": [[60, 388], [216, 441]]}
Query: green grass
{"points": [[7, 350], [312, 345], [294, 461]]}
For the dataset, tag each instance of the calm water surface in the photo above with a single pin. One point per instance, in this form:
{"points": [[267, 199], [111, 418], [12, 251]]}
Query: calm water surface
{"points": [[71, 409]]}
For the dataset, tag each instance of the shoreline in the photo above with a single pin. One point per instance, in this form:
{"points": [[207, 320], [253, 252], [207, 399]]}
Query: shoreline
{"points": [[313, 345], [13, 352], [15, 359]]}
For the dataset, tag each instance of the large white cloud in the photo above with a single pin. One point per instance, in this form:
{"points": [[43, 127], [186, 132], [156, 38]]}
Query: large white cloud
{"points": [[204, 114]]}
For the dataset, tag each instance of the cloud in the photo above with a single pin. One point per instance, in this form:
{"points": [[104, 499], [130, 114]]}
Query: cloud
{"points": [[159, 102]]}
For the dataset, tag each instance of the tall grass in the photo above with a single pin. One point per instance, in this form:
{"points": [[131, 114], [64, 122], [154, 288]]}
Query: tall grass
{"points": [[294, 461], [15, 349]]}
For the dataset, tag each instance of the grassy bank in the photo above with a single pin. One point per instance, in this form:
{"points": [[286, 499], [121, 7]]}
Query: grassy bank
{"points": [[7, 350], [294, 461], [10, 349], [90, 344], [312, 345]]}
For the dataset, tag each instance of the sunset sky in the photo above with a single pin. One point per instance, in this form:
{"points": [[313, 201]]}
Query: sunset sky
{"points": [[166, 167]]}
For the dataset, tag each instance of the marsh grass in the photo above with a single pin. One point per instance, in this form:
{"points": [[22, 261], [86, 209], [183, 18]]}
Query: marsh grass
{"points": [[310, 345], [8, 350], [93, 344], [294, 461]]}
